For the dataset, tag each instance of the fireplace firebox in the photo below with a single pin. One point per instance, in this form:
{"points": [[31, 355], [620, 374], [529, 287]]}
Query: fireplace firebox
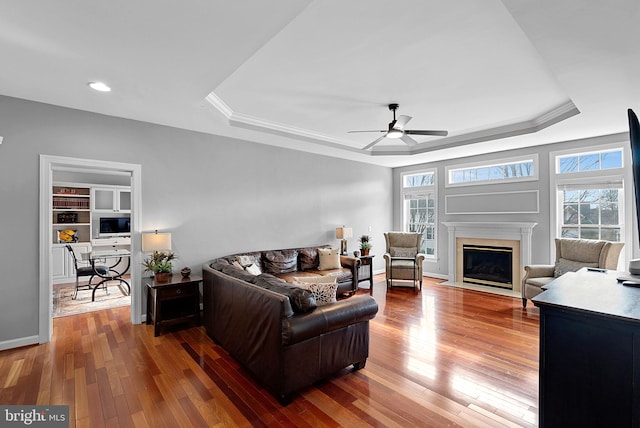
{"points": [[488, 265]]}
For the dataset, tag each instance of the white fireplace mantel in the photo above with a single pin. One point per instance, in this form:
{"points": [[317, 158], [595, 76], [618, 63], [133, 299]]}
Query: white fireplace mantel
{"points": [[517, 231]]}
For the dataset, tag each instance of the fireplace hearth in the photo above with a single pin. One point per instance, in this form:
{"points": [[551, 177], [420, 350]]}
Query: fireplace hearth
{"points": [[488, 265]]}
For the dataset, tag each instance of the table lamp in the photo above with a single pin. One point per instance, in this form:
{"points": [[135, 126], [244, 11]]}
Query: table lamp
{"points": [[156, 241], [343, 233]]}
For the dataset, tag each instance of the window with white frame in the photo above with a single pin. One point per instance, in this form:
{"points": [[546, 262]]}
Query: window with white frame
{"points": [[419, 208], [590, 195], [523, 168]]}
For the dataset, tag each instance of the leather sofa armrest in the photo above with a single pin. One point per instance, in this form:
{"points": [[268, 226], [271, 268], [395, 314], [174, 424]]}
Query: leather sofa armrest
{"points": [[350, 262], [538, 271], [327, 318]]}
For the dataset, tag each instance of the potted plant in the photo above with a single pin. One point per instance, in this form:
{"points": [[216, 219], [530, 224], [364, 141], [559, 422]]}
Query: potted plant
{"points": [[160, 264], [365, 245]]}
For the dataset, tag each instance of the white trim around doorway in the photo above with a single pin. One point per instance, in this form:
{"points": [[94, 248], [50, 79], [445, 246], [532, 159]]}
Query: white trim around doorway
{"points": [[48, 164]]}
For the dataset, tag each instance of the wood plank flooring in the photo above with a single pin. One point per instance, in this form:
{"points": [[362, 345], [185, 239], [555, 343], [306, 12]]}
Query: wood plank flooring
{"points": [[440, 357]]}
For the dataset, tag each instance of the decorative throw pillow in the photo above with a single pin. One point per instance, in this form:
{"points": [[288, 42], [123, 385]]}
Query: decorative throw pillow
{"points": [[403, 251], [324, 288], [237, 264], [244, 260], [253, 269], [562, 268], [329, 258], [308, 258], [280, 261]]}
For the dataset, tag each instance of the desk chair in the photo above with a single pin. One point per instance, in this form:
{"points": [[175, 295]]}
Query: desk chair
{"points": [[86, 271]]}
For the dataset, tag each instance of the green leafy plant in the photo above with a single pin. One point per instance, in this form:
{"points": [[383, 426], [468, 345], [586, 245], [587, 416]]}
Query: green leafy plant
{"points": [[159, 262], [364, 242]]}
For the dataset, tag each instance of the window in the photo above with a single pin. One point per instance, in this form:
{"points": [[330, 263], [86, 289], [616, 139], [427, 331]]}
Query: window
{"points": [[592, 161], [505, 170], [591, 213], [419, 208], [590, 194]]}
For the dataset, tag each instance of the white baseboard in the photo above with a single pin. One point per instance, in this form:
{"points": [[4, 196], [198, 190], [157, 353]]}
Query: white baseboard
{"points": [[435, 275], [17, 343]]}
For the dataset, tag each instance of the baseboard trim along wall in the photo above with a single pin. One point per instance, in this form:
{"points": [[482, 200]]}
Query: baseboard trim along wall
{"points": [[17, 343]]}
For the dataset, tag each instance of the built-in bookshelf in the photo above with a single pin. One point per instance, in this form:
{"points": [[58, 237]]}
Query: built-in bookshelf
{"points": [[71, 211]]}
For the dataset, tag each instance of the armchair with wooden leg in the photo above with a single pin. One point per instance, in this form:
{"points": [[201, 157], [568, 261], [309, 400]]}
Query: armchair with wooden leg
{"points": [[403, 258]]}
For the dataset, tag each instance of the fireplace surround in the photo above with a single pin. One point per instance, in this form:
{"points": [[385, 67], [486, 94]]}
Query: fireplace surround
{"points": [[514, 235]]}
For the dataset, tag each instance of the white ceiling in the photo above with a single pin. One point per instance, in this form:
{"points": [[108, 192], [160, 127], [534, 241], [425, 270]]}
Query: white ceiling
{"points": [[301, 73]]}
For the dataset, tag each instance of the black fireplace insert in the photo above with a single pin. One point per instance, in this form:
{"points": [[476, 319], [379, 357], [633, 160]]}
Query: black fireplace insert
{"points": [[488, 265]]}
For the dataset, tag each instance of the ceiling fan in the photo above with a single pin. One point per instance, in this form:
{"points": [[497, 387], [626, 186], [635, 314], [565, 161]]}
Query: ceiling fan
{"points": [[396, 130]]}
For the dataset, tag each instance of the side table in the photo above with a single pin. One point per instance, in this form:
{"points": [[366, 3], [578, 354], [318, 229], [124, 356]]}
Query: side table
{"points": [[366, 271], [172, 302]]}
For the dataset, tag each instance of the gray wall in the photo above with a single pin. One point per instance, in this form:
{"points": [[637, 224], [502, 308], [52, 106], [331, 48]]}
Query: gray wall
{"points": [[215, 194], [542, 232]]}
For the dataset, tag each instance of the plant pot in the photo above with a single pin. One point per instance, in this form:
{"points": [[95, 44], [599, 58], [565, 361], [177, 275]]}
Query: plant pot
{"points": [[162, 276], [365, 252]]}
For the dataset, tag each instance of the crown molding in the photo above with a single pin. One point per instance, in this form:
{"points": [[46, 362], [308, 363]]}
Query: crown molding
{"points": [[548, 118]]}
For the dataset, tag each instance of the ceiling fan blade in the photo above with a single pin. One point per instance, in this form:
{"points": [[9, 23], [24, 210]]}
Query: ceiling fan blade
{"points": [[402, 121], [368, 146], [408, 140], [351, 132], [425, 132]]}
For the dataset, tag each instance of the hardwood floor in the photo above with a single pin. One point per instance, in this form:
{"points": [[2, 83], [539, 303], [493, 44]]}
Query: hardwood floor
{"points": [[441, 357]]}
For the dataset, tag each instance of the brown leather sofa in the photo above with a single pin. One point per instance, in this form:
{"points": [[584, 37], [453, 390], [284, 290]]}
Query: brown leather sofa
{"points": [[298, 262], [275, 331]]}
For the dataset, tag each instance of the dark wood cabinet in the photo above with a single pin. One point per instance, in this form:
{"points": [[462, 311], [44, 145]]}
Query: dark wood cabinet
{"points": [[589, 352], [173, 302]]}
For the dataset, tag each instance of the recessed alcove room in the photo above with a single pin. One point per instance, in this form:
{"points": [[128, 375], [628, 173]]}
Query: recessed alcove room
{"points": [[317, 212]]}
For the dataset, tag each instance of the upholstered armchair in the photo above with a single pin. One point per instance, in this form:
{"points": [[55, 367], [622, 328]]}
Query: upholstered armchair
{"points": [[403, 258], [571, 255]]}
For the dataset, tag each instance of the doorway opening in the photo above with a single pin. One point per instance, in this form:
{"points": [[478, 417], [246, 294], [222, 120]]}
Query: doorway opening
{"points": [[55, 169]]}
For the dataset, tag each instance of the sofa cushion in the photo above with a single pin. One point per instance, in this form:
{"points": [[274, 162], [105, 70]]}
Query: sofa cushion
{"points": [[218, 264], [324, 288], [403, 251], [280, 261], [238, 273], [301, 300], [308, 258], [329, 258]]}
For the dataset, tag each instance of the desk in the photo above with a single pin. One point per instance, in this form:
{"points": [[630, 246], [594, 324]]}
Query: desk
{"points": [[589, 351], [112, 274]]}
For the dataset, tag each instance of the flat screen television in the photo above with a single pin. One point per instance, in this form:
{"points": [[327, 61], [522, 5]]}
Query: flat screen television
{"points": [[634, 140], [115, 226]]}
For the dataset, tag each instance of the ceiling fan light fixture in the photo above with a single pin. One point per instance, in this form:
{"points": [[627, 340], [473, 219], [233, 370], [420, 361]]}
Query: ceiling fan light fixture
{"points": [[395, 133]]}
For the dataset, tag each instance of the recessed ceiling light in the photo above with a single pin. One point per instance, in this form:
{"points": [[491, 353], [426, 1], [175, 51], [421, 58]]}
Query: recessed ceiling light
{"points": [[99, 86]]}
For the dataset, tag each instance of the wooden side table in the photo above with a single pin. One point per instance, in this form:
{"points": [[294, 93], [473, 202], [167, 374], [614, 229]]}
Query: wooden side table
{"points": [[366, 271], [172, 302]]}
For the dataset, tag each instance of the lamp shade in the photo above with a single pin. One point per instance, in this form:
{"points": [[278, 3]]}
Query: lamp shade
{"points": [[344, 232], [156, 241]]}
